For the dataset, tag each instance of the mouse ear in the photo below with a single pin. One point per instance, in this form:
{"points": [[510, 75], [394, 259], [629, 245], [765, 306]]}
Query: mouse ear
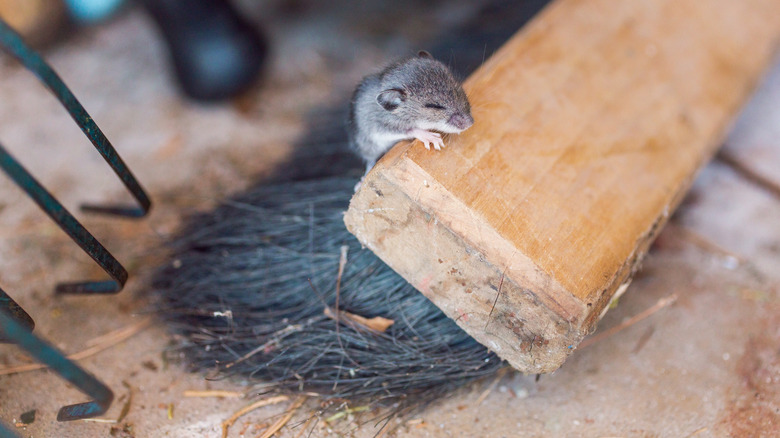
{"points": [[391, 99], [424, 54]]}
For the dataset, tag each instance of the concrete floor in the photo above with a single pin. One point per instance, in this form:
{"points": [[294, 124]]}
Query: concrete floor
{"points": [[707, 366]]}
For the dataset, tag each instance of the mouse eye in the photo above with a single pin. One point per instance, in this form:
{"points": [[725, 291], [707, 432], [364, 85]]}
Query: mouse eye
{"points": [[434, 106]]}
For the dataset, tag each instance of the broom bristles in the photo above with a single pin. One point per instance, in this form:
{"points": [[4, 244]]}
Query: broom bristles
{"points": [[249, 283]]}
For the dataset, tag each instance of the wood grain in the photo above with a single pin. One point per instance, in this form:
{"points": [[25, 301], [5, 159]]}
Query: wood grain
{"points": [[590, 125]]}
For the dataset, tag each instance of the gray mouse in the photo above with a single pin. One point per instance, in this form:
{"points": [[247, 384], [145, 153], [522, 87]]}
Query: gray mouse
{"points": [[416, 97]]}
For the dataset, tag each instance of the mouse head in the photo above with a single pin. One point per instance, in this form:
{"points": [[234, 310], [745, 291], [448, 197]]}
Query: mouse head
{"points": [[422, 93]]}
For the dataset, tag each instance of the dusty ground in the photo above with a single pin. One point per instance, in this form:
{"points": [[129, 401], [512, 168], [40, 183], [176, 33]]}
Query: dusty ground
{"points": [[707, 366]]}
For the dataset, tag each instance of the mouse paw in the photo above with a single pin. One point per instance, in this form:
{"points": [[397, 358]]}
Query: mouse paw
{"points": [[429, 138]]}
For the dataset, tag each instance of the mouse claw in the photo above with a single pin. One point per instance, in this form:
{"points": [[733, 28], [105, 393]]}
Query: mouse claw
{"points": [[438, 143], [428, 139]]}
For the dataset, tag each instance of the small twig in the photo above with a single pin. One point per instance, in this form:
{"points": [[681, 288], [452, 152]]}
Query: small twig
{"points": [[643, 340], [704, 243], [108, 340], [126, 407], [663, 302], [749, 174], [499, 375], [698, 431], [345, 412], [342, 263], [212, 393], [258, 404], [282, 421]]}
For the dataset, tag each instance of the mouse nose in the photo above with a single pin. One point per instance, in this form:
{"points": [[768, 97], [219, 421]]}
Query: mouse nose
{"points": [[461, 121]]}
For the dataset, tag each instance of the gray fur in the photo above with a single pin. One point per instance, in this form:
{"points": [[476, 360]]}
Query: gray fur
{"points": [[388, 105]]}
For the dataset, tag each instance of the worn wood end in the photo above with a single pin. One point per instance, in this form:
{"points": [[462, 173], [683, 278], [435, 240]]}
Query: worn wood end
{"points": [[590, 125]]}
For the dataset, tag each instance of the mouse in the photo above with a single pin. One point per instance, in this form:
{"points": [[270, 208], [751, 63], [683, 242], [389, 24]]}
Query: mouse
{"points": [[416, 97]]}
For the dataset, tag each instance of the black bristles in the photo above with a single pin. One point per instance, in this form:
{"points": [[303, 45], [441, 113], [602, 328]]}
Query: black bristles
{"points": [[248, 286]]}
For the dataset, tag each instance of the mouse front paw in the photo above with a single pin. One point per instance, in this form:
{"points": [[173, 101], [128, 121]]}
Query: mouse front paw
{"points": [[429, 138]]}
